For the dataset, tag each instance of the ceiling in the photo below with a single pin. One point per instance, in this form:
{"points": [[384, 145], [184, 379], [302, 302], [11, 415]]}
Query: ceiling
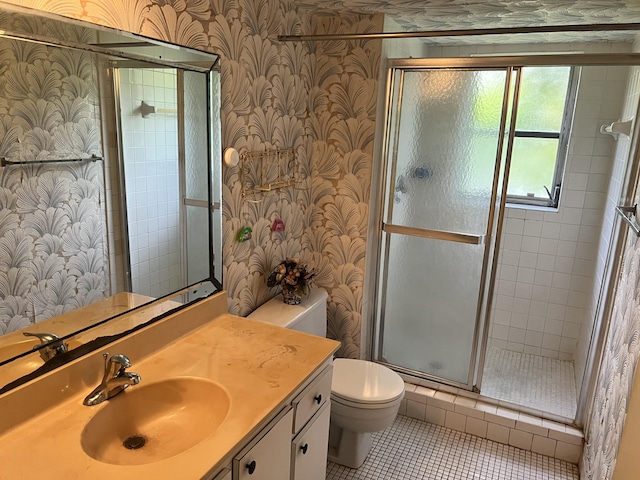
{"points": [[425, 15]]}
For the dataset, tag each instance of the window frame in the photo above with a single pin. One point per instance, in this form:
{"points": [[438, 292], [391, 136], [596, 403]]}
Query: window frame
{"points": [[563, 136]]}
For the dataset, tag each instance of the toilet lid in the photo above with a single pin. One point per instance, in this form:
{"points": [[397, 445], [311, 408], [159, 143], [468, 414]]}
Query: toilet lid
{"points": [[365, 382]]}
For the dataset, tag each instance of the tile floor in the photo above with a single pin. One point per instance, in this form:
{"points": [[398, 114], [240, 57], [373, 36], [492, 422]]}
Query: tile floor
{"points": [[533, 381], [414, 450]]}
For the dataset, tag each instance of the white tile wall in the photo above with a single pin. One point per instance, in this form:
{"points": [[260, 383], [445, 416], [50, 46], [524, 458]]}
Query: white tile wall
{"points": [[610, 197], [547, 262], [151, 164]]}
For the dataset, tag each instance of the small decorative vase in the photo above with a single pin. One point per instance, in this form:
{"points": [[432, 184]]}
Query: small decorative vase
{"points": [[290, 297]]}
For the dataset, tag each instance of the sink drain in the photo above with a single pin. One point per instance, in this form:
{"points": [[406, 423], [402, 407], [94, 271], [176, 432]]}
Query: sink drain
{"points": [[134, 442]]}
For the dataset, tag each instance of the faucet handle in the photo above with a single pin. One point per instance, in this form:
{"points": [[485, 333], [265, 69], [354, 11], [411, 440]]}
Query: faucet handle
{"points": [[120, 359], [116, 365], [43, 337], [52, 344]]}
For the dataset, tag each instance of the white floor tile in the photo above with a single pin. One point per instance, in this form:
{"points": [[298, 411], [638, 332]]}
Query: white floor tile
{"points": [[415, 450], [542, 383]]}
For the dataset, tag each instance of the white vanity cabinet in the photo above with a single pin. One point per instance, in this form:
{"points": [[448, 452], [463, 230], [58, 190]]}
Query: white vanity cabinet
{"points": [[224, 475], [294, 444], [268, 455]]}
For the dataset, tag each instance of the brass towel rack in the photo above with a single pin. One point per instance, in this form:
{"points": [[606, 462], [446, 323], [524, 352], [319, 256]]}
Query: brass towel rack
{"points": [[267, 171]]}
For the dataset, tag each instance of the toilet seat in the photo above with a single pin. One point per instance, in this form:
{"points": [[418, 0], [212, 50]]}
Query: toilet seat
{"points": [[362, 405], [363, 384]]}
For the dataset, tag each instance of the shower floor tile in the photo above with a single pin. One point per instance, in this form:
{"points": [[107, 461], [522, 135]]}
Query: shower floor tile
{"points": [[533, 381], [414, 450]]}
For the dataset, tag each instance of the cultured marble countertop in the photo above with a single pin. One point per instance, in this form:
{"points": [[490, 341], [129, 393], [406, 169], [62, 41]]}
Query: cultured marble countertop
{"points": [[260, 366]]}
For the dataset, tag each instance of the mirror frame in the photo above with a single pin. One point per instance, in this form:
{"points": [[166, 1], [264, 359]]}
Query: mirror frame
{"points": [[163, 54]]}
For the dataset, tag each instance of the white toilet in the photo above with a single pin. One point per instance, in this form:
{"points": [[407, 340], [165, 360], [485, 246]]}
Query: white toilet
{"points": [[365, 396]]}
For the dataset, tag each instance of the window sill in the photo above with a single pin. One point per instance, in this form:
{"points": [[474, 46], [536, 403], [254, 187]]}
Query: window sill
{"points": [[538, 208]]}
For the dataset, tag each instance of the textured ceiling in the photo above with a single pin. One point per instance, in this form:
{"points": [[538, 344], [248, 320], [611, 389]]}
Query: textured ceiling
{"points": [[473, 14]]}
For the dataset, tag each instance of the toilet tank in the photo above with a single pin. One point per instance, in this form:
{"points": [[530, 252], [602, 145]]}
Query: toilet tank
{"points": [[309, 317]]}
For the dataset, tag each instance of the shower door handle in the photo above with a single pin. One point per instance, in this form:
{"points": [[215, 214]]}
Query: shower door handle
{"points": [[436, 234]]}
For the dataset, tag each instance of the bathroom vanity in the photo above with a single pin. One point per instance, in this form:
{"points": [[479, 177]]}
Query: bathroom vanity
{"points": [[221, 397]]}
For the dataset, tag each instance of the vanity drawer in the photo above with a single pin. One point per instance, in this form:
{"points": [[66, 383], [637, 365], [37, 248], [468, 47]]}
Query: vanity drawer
{"points": [[312, 398]]}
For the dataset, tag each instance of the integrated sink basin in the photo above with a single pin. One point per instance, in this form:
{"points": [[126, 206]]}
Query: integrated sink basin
{"points": [[152, 422]]}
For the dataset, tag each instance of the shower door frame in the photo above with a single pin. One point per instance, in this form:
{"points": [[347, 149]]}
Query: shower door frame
{"points": [[487, 277], [212, 204]]}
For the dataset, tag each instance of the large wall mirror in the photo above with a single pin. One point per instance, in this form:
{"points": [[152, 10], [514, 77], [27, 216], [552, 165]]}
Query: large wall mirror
{"points": [[110, 183]]}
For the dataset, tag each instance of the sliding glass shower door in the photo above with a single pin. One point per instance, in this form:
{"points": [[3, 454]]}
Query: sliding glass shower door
{"points": [[445, 136]]}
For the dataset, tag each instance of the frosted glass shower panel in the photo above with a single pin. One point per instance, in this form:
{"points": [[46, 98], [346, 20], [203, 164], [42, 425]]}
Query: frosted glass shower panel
{"points": [[446, 149], [431, 304], [195, 119], [197, 243]]}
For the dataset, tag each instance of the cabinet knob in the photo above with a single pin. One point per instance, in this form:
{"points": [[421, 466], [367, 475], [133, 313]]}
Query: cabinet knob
{"points": [[318, 398], [251, 467], [304, 448]]}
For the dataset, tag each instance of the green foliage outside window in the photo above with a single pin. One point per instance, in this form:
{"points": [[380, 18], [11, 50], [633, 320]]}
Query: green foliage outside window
{"points": [[542, 100]]}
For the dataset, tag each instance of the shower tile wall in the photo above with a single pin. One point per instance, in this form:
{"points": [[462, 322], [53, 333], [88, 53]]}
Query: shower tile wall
{"points": [[151, 159], [547, 260], [545, 279], [622, 147]]}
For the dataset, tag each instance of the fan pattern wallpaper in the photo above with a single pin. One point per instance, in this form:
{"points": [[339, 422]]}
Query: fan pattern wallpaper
{"points": [[619, 366], [52, 236], [319, 98]]}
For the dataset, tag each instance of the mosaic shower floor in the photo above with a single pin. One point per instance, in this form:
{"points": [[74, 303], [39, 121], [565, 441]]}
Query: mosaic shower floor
{"points": [[414, 450], [533, 381]]}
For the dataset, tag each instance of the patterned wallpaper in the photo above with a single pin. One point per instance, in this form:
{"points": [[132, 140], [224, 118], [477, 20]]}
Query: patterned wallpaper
{"points": [[317, 98], [320, 100], [616, 375], [52, 218]]}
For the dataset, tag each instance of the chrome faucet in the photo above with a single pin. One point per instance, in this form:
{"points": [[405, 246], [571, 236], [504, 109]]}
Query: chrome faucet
{"points": [[114, 381], [50, 345]]}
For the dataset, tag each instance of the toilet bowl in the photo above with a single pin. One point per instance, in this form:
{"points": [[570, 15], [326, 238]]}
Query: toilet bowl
{"points": [[365, 396]]}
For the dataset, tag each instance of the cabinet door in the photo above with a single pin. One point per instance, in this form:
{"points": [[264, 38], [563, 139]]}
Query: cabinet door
{"points": [[270, 457], [309, 448]]}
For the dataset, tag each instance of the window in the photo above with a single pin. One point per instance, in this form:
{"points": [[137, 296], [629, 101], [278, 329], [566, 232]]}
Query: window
{"points": [[543, 124]]}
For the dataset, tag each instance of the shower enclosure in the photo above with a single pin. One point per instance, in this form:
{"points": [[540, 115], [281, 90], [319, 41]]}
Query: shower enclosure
{"points": [[445, 174], [496, 298]]}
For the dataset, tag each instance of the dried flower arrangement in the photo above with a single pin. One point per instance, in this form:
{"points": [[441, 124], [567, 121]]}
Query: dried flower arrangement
{"points": [[292, 276]]}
